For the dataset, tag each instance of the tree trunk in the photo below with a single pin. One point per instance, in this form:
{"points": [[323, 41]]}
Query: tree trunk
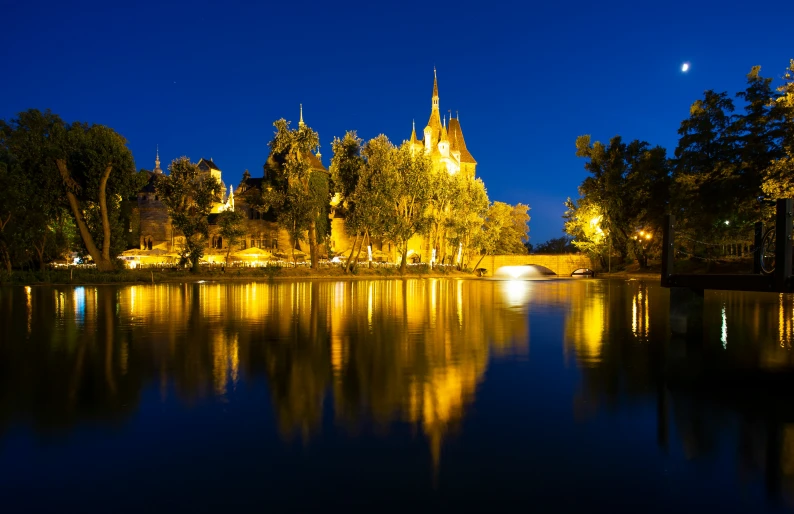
{"points": [[404, 259], [4, 251], [360, 246], [313, 250], [40, 251], [6, 257], [478, 262], [350, 257], [101, 264], [103, 210]]}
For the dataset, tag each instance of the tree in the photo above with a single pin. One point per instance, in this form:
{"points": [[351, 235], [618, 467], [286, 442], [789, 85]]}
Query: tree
{"points": [[778, 177], [627, 191], [467, 212], [98, 172], [507, 228], [399, 192], [86, 169], [555, 245], [758, 133], [583, 223], [445, 189], [347, 168], [232, 229], [188, 194], [706, 185], [303, 197]]}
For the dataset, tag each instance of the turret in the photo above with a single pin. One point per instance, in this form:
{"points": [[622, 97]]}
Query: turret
{"points": [[443, 144], [435, 90], [414, 142], [157, 168]]}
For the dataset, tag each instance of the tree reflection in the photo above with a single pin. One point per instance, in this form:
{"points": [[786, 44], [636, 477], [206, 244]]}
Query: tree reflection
{"points": [[409, 351], [738, 375]]}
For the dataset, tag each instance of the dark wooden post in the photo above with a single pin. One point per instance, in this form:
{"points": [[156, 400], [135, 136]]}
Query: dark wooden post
{"points": [[758, 234], [783, 227], [668, 249]]}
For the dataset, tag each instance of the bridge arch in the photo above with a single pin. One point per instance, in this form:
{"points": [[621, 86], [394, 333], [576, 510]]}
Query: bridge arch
{"points": [[561, 264]]}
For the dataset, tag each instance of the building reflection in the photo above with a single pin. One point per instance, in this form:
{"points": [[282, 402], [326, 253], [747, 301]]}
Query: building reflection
{"points": [[410, 351]]}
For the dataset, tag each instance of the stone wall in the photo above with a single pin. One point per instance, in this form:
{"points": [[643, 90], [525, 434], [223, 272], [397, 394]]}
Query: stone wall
{"points": [[155, 224]]}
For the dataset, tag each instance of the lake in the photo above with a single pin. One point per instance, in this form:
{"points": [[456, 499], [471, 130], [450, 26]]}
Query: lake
{"points": [[392, 395]]}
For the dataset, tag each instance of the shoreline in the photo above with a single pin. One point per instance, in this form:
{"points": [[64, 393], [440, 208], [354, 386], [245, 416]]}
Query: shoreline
{"points": [[85, 277]]}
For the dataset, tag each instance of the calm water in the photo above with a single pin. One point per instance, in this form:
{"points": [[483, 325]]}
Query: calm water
{"points": [[396, 395]]}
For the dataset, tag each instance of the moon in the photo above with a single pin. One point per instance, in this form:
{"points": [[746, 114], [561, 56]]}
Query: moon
{"points": [[685, 67]]}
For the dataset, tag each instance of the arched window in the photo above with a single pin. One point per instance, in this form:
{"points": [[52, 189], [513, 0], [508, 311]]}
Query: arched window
{"points": [[220, 242]]}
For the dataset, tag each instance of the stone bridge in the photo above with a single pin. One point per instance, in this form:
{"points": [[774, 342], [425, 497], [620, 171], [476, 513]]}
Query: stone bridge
{"points": [[562, 264]]}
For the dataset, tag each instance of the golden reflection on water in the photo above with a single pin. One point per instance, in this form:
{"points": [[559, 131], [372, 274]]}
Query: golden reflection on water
{"points": [[409, 350], [412, 351], [640, 313], [586, 324]]}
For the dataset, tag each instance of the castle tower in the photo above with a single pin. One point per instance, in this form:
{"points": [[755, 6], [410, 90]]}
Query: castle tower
{"points": [[157, 168], [435, 90], [432, 131], [443, 144]]}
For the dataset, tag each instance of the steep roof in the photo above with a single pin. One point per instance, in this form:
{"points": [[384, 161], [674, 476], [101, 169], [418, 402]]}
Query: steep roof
{"points": [[314, 163], [207, 164], [435, 127], [457, 143], [149, 187]]}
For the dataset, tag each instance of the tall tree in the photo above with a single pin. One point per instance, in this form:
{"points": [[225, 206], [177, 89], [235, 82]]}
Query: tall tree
{"points": [[188, 194], [347, 168], [778, 177], [467, 212], [627, 193], [445, 189], [304, 198], [706, 185], [583, 223], [399, 188], [232, 229], [87, 169]]}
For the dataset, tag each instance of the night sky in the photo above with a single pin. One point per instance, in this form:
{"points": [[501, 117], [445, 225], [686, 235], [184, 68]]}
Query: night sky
{"points": [[207, 79]]}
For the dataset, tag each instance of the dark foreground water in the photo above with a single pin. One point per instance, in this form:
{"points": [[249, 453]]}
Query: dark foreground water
{"points": [[400, 395]]}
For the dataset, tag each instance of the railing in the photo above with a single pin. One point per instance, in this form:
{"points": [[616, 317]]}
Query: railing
{"points": [[779, 281]]}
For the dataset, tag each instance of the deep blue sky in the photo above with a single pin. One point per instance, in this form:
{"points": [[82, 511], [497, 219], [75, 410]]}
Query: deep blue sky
{"points": [[209, 78]]}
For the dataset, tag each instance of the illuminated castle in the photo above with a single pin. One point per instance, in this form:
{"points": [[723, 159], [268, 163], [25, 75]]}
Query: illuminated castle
{"points": [[442, 140], [444, 144]]}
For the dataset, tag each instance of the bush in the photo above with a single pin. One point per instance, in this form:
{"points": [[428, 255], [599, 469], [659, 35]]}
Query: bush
{"points": [[271, 270]]}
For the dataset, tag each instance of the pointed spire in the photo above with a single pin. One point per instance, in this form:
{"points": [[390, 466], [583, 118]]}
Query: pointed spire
{"points": [[435, 90], [157, 160], [300, 123], [444, 130], [413, 132]]}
